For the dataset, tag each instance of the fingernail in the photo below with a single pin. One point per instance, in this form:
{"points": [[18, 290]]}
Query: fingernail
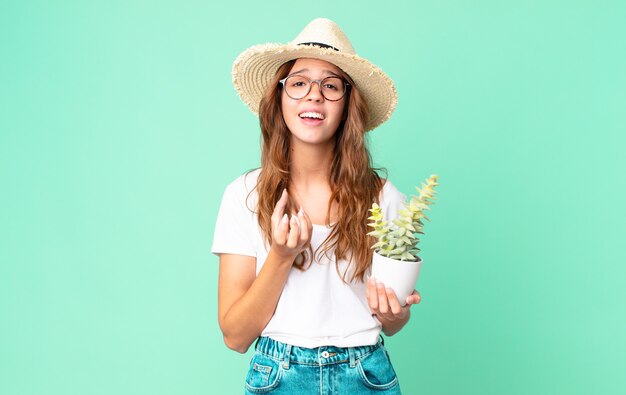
{"points": [[301, 212], [285, 219]]}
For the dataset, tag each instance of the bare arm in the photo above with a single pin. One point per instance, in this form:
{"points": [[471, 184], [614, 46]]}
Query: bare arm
{"points": [[247, 302]]}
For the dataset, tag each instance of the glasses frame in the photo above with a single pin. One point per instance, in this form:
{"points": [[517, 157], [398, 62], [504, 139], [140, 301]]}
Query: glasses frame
{"points": [[346, 86]]}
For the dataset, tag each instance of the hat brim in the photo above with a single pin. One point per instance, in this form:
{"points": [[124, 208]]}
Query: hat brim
{"points": [[255, 68]]}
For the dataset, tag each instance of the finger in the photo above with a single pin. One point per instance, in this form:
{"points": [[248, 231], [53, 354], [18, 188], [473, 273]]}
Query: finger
{"points": [[281, 231], [304, 228], [297, 219], [394, 304], [372, 295], [309, 224], [294, 233], [279, 208], [414, 298], [383, 303]]}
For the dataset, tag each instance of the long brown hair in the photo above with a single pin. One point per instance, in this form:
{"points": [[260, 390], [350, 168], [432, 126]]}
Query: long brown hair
{"points": [[353, 182]]}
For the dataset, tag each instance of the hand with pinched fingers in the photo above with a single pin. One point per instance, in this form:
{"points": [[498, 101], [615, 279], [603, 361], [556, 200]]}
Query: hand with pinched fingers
{"points": [[384, 303], [290, 236]]}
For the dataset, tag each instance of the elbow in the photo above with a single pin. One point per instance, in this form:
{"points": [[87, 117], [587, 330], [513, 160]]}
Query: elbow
{"points": [[235, 345], [235, 337]]}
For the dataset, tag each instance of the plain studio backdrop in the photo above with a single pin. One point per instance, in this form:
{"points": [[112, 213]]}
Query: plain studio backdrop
{"points": [[120, 128]]}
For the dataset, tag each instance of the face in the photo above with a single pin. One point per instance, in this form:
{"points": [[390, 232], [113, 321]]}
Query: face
{"points": [[313, 119]]}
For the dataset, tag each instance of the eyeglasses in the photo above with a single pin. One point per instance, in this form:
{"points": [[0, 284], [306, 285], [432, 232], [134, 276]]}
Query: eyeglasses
{"points": [[298, 86]]}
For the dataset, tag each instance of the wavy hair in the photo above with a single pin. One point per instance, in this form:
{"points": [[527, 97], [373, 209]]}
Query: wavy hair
{"points": [[354, 183]]}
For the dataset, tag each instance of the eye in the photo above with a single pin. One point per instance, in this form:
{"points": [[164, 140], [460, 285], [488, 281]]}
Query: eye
{"points": [[332, 84], [298, 82]]}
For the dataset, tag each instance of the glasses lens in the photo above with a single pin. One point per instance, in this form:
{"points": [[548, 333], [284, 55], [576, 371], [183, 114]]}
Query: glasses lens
{"points": [[297, 86], [333, 88]]}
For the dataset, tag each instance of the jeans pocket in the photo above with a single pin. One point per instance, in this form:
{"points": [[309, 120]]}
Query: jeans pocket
{"points": [[264, 374], [376, 370]]}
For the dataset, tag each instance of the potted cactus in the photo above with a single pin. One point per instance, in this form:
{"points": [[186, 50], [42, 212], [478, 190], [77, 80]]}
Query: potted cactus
{"points": [[395, 261]]}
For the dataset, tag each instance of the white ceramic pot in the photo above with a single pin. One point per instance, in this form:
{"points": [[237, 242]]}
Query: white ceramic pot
{"points": [[401, 276]]}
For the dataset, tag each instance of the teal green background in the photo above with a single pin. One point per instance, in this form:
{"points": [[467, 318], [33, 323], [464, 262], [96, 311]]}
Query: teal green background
{"points": [[120, 128]]}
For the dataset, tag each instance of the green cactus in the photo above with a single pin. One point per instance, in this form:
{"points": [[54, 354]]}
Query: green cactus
{"points": [[399, 241]]}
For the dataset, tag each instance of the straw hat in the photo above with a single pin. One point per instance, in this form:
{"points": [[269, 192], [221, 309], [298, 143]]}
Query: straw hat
{"points": [[321, 39]]}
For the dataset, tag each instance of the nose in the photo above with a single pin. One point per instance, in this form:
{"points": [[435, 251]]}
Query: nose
{"points": [[315, 93]]}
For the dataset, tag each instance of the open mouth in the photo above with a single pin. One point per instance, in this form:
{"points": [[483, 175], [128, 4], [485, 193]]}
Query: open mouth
{"points": [[311, 115]]}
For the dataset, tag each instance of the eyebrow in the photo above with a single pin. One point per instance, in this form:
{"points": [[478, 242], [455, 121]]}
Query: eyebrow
{"points": [[324, 71]]}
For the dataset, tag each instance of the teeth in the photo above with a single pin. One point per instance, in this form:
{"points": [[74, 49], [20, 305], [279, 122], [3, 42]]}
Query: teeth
{"points": [[311, 115]]}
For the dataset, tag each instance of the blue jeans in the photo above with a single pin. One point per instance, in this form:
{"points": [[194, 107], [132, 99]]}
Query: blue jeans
{"points": [[279, 368]]}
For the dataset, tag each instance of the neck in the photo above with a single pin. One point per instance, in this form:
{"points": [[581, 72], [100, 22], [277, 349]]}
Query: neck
{"points": [[310, 164]]}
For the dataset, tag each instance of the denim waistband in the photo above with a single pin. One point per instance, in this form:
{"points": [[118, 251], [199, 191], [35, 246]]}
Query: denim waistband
{"points": [[324, 355]]}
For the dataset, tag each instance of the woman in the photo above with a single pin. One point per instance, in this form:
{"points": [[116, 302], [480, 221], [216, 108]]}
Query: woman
{"points": [[292, 236]]}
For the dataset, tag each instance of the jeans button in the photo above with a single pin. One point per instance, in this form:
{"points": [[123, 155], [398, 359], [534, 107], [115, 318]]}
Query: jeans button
{"points": [[325, 354]]}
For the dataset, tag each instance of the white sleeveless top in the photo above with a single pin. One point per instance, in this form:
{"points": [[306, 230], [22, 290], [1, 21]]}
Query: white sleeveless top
{"points": [[316, 308]]}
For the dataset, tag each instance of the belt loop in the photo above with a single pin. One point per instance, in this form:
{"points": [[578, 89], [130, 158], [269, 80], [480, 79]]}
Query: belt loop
{"points": [[352, 358], [286, 356]]}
